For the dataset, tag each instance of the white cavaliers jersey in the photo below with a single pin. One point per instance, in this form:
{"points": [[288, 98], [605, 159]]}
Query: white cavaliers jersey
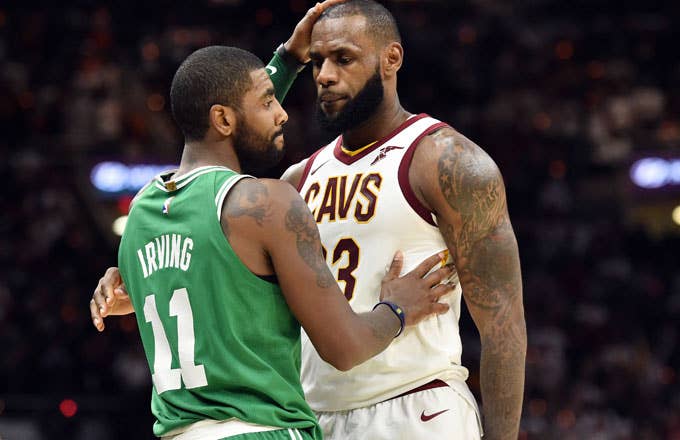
{"points": [[366, 211]]}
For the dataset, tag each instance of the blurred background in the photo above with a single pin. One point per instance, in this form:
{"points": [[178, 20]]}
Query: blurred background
{"points": [[578, 102]]}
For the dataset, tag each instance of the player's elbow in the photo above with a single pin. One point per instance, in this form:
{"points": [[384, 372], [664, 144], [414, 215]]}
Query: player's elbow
{"points": [[345, 353], [340, 359]]}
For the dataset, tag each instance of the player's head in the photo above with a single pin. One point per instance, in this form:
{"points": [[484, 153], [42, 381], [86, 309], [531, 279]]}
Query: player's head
{"points": [[356, 52], [222, 92]]}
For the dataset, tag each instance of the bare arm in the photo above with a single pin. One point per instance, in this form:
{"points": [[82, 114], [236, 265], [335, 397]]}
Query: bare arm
{"points": [[285, 232], [468, 195]]}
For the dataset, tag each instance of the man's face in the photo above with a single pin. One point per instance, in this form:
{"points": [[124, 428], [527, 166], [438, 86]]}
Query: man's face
{"points": [[346, 70], [258, 139]]}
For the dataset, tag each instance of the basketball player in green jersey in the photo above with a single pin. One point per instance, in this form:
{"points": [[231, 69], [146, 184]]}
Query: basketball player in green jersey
{"points": [[222, 268]]}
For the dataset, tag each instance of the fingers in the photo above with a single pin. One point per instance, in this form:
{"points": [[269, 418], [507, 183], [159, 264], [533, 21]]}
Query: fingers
{"points": [[109, 282], [439, 275], [320, 7], [427, 265], [104, 296], [97, 319], [120, 291], [99, 298], [395, 267], [440, 290], [438, 308]]}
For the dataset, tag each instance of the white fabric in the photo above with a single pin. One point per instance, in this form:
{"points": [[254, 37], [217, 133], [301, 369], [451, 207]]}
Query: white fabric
{"points": [[216, 430], [406, 418], [422, 353]]}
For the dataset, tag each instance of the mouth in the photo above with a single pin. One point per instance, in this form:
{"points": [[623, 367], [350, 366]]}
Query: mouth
{"points": [[278, 134], [330, 97]]}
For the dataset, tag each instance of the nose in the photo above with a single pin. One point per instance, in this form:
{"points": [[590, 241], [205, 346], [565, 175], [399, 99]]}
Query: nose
{"points": [[327, 74], [281, 115]]}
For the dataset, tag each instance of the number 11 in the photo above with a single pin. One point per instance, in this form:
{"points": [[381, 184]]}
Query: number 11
{"points": [[164, 377]]}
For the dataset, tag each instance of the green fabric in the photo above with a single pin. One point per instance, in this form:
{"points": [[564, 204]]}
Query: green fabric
{"points": [[282, 75], [245, 359]]}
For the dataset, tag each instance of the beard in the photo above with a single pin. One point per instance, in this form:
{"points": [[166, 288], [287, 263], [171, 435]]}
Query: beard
{"points": [[256, 153], [356, 111]]}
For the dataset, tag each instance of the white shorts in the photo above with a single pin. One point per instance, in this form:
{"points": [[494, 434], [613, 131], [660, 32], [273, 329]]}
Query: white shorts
{"points": [[444, 412]]}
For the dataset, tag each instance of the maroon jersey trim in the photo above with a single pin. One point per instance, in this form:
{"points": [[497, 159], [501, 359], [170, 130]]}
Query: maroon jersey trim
{"points": [[347, 159], [404, 183], [437, 383], [308, 166]]}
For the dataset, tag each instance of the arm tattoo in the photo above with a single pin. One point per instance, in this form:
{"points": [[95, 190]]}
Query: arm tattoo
{"points": [[480, 236], [299, 221], [483, 241], [249, 200]]}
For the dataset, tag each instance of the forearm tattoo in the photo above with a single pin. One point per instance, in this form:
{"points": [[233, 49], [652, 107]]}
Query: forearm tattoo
{"points": [[300, 222]]}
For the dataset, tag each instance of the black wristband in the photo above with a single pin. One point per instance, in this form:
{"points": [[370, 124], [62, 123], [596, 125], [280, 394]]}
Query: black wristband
{"points": [[397, 311], [289, 59]]}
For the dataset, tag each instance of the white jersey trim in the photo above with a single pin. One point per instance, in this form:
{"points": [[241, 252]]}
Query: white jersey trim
{"points": [[224, 190], [184, 179], [217, 429]]}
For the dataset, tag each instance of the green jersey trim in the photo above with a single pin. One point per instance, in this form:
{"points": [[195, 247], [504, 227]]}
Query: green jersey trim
{"points": [[183, 180]]}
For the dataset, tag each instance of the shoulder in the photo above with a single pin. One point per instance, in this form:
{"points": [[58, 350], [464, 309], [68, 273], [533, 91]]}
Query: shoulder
{"points": [[294, 173], [456, 159], [259, 200], [453, 172], [263, 210]]}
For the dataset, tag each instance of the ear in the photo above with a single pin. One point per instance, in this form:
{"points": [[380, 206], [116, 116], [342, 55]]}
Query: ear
{"points": [[223, 119], [392, 58]]}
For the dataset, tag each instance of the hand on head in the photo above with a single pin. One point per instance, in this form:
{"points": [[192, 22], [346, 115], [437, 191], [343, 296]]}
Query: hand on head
{"points": [[299, 42]]}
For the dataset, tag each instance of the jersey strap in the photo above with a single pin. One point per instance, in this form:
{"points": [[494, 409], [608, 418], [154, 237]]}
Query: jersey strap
{"points": [[404, 182]]}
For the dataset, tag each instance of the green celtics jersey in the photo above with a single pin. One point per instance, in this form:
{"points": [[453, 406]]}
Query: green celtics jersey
{"points": [[220, 341]]}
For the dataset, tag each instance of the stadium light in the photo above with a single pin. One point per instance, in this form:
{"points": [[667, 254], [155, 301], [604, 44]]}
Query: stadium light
{"points": [[655, 172], [116, 177], [676, 215]]}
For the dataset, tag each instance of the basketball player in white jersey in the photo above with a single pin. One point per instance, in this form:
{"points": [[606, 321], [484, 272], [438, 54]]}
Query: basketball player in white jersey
{"points": [[397, 180]]}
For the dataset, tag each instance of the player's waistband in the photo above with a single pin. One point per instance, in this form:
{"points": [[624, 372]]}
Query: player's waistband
{"points": [[218, 429], [437, 383]]}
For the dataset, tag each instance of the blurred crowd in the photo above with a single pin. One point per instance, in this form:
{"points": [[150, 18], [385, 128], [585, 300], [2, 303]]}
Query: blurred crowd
{"points": [[563, 95]]}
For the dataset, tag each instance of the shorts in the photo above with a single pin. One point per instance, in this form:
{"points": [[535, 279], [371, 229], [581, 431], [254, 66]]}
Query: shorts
{"points": [[441, 412], [233, 429], [279, 434]]}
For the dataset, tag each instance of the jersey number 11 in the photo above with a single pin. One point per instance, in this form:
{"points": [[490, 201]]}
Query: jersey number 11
{"points": [[166, 378]]}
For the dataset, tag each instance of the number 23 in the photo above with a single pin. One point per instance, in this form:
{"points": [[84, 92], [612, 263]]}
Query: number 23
{"points": [[346, 273]]}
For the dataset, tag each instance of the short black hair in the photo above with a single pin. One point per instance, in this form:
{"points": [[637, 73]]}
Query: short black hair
{"points": [[380, 22], [211, 75]]}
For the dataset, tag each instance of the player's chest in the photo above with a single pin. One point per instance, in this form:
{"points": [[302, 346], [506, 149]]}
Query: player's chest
{"points": [[356, 194]]}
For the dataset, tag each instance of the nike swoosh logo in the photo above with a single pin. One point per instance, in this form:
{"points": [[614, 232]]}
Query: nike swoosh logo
{"points": [[427, 418], [317, 168], [272, 70]]}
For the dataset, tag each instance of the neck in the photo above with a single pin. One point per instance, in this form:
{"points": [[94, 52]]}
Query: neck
{"points": [[207, 153], [387, 117]]}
